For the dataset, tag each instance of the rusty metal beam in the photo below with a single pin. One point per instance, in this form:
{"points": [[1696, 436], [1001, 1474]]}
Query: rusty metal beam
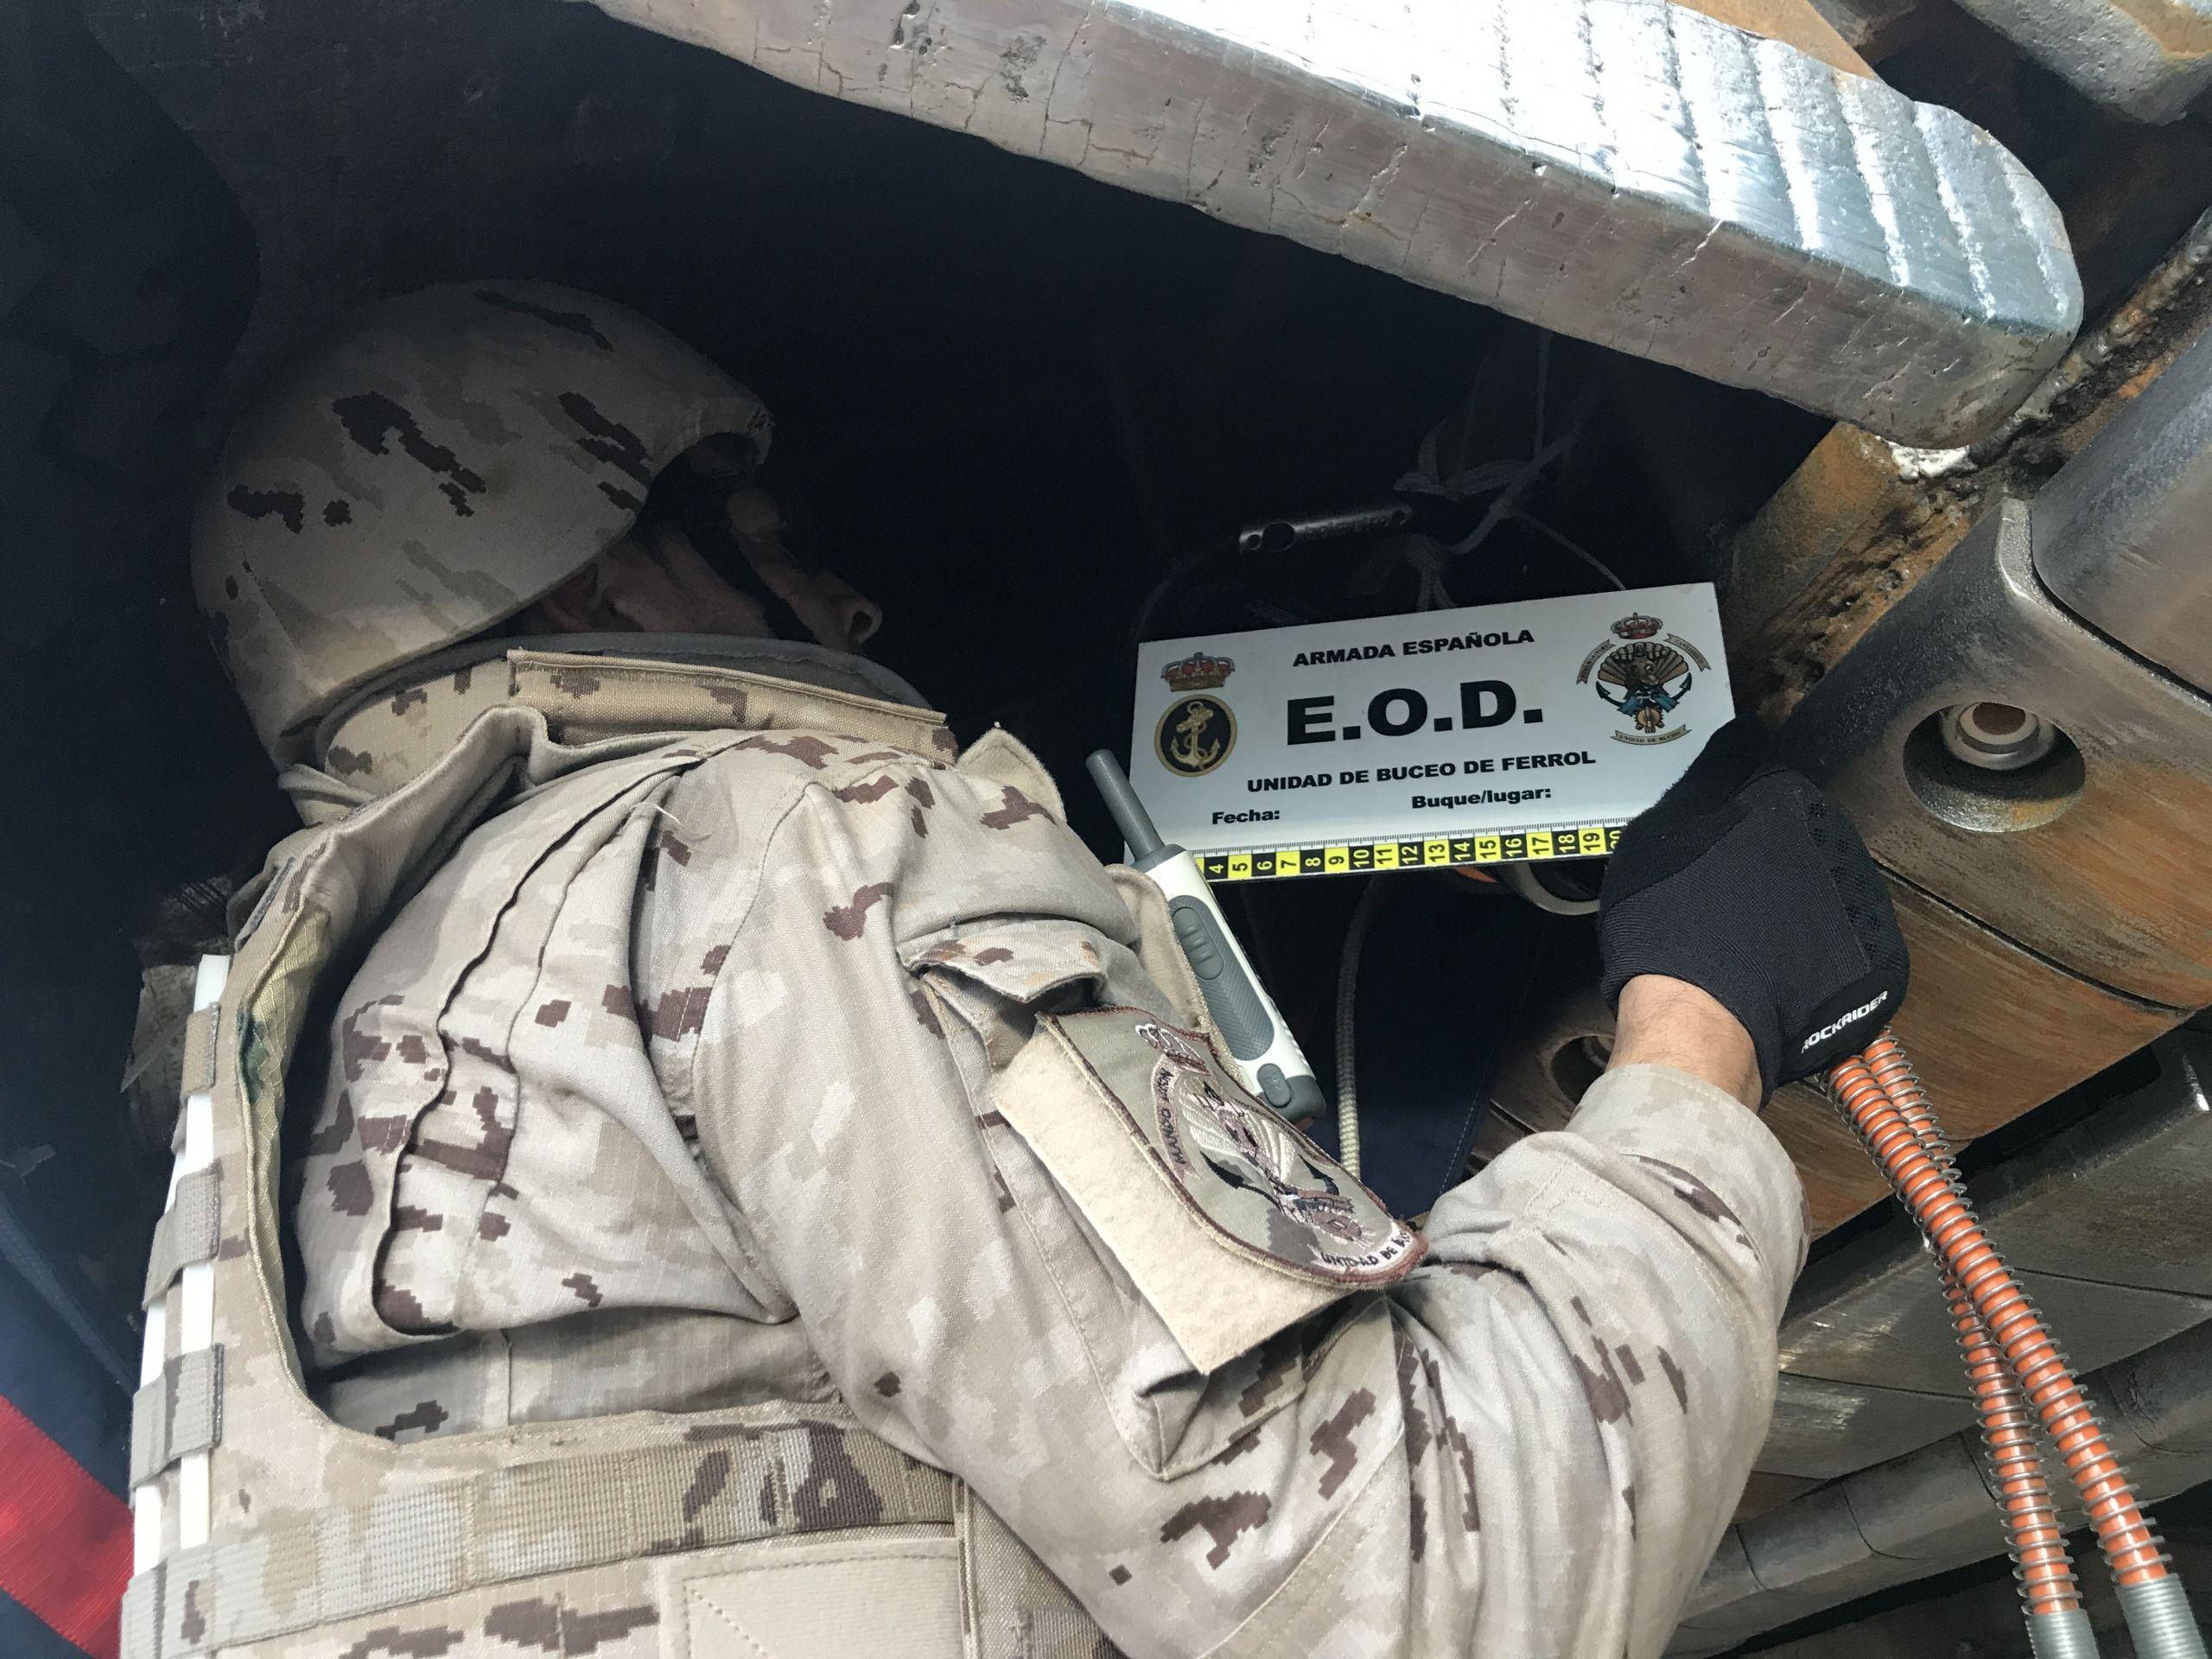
{"points": [[1863, 520], [1874, 28], [1996, 1031], [1794, 22]]}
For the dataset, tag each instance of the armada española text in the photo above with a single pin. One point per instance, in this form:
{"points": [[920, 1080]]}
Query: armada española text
{"points": [[1412, 647]]}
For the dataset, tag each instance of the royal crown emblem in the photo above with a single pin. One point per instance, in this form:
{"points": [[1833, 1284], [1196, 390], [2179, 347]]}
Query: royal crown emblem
{"points": [[1201, 672], [1637, 626]]}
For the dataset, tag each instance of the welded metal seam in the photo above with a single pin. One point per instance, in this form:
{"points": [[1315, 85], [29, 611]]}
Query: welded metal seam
{"points": [[1881, 202], [1693, 133], [2188, 260], [1493, 173], [1962, 234]]}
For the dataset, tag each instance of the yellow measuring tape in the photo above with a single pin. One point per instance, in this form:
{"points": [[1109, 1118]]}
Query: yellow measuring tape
{"points": [[1434, 852]]}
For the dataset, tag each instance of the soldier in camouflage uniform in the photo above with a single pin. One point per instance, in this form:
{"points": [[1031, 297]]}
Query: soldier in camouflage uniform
{"points": [[768, 1191]]}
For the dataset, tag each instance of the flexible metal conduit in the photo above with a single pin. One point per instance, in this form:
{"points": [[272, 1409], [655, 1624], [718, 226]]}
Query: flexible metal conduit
{"points": [[2039, 1552], [1884, 1105], [2058, 1627]]}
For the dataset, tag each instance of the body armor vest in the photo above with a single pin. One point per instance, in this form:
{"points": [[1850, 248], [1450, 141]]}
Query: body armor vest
{"points": [[262, 1528]]}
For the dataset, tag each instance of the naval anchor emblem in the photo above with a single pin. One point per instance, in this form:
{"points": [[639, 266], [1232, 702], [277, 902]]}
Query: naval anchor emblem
{"points": [[1652, 673], [1197, 732]]}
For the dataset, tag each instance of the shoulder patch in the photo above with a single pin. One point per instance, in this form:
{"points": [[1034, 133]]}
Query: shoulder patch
{"points": [[1232, 1224]]}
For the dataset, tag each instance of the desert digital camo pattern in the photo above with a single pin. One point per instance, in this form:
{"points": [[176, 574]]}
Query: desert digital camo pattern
{"points": [[685, 1064], [624, 1533], [384, 739], [432, 466]]}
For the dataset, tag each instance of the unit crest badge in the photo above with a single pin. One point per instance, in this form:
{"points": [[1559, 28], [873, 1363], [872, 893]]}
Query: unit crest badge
{"points": [[1251, 1151], [1197, 732], [1650, 673]]}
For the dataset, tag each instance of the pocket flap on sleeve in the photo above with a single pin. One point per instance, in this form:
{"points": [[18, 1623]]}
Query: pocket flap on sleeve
{"points": [[1231, 1223], [1024, 960]]}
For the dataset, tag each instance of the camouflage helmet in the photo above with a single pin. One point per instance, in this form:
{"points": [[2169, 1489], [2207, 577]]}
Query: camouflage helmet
{"points": [[430, 468]]}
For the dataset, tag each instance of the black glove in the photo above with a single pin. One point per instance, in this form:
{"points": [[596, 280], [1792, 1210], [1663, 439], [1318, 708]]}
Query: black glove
{"points": [[1747, 882]]}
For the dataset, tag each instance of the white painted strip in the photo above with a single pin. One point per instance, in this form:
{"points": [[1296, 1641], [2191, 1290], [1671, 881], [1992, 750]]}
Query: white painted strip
{"points": [[196, 1296], [195, 1508], [207, 987], [146, 1500], [150, 1353], [145, 1526]]}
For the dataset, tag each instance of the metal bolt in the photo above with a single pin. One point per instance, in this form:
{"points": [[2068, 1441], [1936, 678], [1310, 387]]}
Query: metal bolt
{"points": [[1997, 736]]}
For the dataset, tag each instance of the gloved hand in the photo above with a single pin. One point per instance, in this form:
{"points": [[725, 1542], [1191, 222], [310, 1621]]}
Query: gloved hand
{"points": [[1747, 882]]}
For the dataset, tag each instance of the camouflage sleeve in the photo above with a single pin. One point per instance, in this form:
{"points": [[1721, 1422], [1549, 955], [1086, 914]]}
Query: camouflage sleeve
{"points": [[1529, 1444]]}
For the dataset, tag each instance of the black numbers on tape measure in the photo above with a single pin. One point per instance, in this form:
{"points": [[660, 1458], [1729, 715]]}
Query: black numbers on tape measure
{"points": [[1568, 841]]}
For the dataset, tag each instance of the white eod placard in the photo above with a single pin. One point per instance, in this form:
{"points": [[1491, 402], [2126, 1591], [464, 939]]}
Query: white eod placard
{"points": [[1500, 733]]}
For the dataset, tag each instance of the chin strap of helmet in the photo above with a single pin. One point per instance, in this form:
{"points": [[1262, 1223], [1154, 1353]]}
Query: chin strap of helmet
{"points": [[697, 494]]}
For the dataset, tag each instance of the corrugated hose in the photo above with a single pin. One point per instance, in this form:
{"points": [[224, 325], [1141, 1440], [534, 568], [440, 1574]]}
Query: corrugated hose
{"points": [[2021, 1380]]}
